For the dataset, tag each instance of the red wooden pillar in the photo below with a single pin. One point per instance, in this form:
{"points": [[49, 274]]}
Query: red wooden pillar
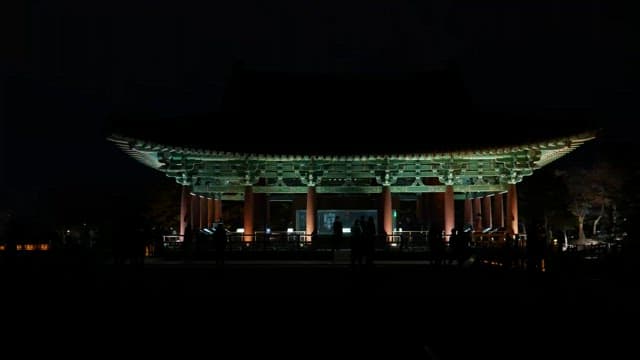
{"points": [[195, 212], [512, 209], [449, 211], [248, 213], [486, 212], [203, 212], [210, 216], [477, 214], [468, 211], [498, 211], [311, 210], [217, 208], [387, 210]]}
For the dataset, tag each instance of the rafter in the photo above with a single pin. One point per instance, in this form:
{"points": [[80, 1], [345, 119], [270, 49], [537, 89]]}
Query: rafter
{"points": [[480, 170]]}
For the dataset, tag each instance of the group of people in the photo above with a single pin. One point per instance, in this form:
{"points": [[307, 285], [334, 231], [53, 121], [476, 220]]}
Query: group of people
{"points": [[362, 240], [192, 236]]}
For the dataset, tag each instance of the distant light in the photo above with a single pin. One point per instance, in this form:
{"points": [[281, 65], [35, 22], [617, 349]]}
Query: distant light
{"points": [[346, 230], [29, 247], [192, 194], [268, 231], [400, 229], [289, 230], [240, 230]]}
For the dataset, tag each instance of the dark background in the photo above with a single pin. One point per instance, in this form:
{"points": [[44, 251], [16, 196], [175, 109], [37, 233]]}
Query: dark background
{"points": [[293, 76], [433, 75]]}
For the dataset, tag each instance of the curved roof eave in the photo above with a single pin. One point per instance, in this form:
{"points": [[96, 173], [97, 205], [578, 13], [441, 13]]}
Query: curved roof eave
{"points": [[148, 158], [558, 148], [550, 150]]}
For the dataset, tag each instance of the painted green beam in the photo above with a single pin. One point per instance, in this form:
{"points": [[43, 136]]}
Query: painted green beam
{"points": [[275, 189]]}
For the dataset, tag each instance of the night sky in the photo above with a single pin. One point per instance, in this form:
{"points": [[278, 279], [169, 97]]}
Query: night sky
{"points": [[77, 71]]}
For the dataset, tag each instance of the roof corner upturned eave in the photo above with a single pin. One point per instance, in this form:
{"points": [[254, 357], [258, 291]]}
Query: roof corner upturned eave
{"points": [[553, 149], [137, 150]]}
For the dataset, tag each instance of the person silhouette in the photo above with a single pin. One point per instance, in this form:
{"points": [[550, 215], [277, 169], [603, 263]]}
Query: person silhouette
{"points": [[337, 236], [220, 241], [187, 242], [436, 245], [369, 236], [356, 245]]}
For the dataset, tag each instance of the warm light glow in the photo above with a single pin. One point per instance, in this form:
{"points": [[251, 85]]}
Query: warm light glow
{"points": [[173, 238], [29, 247]]}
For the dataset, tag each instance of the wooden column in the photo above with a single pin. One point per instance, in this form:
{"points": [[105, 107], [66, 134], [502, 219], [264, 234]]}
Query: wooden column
{"points": [[203, 211], [468, 211], [311, 210], [387, 210], [217, 208], [248, 213], [477, 214], [210, 216], [449, 211], [486, 212], [195, 212], [512, 210], [498, 211]]}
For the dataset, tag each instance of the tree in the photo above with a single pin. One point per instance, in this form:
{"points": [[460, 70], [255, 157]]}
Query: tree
{"points": [[544, 197], [163, 205], [591, 191]]}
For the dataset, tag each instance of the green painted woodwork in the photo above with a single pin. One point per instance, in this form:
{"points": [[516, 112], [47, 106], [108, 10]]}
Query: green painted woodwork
{"points": [[475, 171]]}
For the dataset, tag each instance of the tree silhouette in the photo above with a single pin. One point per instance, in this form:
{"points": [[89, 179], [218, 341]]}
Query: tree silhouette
{"points": [[163, 205], [545, 197], [591, 192]]}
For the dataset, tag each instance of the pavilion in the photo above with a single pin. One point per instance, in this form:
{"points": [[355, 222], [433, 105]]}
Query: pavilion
{"points": [[445, 175], [481, 182]]}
